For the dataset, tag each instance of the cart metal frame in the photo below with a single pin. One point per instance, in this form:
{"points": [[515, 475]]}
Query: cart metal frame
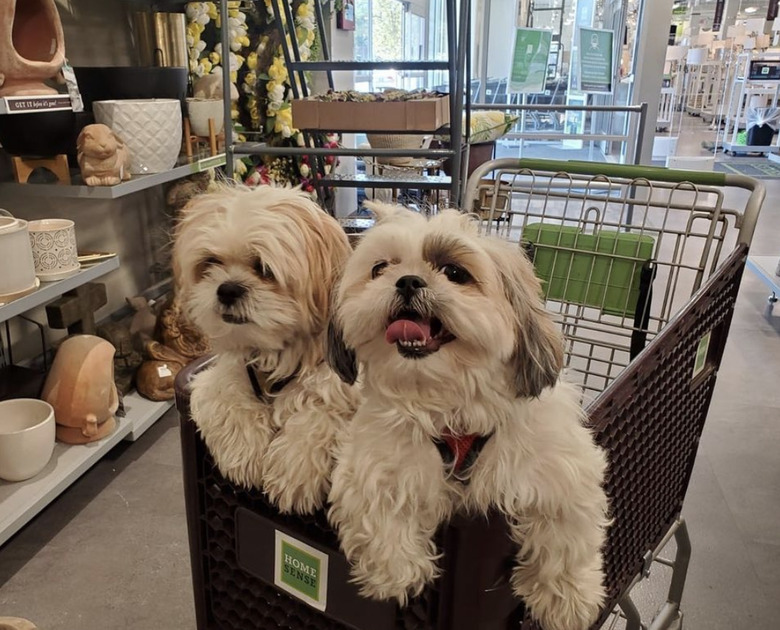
{"points": [[690, 221], [648, 418]]}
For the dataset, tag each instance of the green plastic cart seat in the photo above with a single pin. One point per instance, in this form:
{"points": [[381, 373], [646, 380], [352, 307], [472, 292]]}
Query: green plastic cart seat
{"points": [[599, 269]]}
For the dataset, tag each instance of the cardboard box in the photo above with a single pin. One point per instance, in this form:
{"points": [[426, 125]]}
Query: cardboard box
{"points": [[426, 115]]}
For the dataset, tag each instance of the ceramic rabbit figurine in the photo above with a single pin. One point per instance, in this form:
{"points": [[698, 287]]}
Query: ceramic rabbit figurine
{"points": [[102, 156]]}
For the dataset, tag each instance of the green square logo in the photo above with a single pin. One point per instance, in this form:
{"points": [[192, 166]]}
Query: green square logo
{"points": [[301, 570], [701, 354]]}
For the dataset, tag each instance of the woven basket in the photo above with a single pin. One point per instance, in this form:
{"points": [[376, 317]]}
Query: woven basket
{"points": [[395, 141]]}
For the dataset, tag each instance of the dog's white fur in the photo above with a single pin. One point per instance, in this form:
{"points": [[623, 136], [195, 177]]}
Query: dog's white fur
{"points": [[390, 490], [285, 252]]}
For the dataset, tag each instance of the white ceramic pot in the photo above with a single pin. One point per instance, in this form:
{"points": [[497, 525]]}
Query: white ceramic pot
{"points": [[150, 129], [26, 437], [199, 110], [54, 249], [17, 277]]}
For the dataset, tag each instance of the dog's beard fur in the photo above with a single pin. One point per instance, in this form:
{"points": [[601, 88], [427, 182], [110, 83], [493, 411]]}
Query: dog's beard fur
{"points": [[255, 270], [486, 360]]}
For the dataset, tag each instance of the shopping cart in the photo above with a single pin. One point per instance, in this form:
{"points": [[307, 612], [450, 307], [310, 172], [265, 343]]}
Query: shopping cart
{"points": [[641, 267]]}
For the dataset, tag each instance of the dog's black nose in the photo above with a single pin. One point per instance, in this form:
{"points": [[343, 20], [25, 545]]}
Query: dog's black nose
{"points": [[407, 286], [228, 293]]}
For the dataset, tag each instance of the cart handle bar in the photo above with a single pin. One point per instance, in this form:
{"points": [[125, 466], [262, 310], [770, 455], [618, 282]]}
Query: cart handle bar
{"points": [[625, 171]]}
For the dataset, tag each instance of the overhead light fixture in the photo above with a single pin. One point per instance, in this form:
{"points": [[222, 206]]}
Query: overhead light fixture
{"points": [[751, 9]]}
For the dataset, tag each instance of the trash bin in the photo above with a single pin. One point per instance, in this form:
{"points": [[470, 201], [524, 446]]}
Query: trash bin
{"points": [[762, 122]]}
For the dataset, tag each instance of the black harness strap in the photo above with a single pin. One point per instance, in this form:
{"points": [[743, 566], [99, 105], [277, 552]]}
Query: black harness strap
{"points": [[275, 388]]}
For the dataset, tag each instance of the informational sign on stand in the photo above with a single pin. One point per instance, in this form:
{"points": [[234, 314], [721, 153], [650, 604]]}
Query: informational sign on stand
{"points": [[596, 60], [529, 61]]}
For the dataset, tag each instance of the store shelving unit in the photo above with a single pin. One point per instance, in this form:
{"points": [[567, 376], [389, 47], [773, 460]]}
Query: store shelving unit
{"points": [[21, 501], [456, 66], [134, 185], [49, 291], [744, 94]]}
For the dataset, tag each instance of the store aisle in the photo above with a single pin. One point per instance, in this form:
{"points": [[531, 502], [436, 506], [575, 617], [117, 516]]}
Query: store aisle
{"points": [[111, 553]]}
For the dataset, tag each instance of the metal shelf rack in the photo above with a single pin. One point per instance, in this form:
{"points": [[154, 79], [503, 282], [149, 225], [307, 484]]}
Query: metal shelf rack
{"points": [[134, 185], [458, 33]]}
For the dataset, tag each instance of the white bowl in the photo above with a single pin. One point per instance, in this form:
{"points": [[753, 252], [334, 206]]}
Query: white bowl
{"points": [[17, 270], [199, 111], [27, 432], [149, 127]]}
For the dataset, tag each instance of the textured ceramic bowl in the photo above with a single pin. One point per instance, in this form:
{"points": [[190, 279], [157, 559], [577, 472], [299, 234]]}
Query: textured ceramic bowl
{"points": [[26, 437], [150, 129], [54, 250], [199, 110]]}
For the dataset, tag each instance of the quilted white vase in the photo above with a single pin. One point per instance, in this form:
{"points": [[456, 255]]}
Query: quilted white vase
{"points": [[150, 128]]}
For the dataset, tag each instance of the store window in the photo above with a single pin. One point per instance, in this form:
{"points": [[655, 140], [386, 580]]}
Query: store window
{"points": [[390, 30]]}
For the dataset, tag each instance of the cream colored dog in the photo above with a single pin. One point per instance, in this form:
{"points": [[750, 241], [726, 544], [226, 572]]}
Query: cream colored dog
{"points": [[463, 410], [256, 269]]}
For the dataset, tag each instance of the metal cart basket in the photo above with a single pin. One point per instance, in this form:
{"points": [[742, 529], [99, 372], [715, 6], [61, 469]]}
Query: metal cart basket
{"points": [[641, 267]]}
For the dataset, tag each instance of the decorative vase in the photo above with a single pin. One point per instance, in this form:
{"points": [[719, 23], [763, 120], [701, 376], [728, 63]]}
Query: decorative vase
{"points": [[160, 39], [150, 128], [80, 386], [32, 46], [199, 110]]}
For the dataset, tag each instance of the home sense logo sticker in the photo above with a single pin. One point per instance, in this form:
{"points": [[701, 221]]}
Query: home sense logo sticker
{"points": [[301, 571]]}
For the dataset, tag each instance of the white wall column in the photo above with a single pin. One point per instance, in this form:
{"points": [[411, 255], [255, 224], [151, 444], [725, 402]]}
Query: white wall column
{"points": [[654, 20]]}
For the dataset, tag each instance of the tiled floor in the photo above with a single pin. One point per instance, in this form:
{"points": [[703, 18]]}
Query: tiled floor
{"points": [[111, 552]]}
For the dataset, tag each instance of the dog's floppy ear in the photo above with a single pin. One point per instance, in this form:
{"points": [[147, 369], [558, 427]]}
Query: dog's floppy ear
{"points": [[340, 358], [538, 354]]}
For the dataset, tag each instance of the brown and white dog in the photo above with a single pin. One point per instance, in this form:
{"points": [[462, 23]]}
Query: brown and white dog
{"points": [[463, 410], [256, 268]]}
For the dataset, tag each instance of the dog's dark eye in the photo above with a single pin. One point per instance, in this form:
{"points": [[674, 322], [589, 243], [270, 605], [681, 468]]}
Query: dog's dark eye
{"points": [[456, 274], [262, 270], [377, 269], [211, 261]]}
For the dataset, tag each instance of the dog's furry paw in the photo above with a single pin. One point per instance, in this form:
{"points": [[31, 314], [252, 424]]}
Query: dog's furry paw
{"points": [[246, 474], [569, 603], [393, 578], [293, 480]]}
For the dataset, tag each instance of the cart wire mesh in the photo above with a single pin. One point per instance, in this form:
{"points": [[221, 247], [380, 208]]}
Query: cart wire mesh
{"points": [[619, 250]]}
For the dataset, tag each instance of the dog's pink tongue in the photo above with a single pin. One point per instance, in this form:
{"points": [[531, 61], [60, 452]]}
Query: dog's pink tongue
{"points": [[408, 330]]}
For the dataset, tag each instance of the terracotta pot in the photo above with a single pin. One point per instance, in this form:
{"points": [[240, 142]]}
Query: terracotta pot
{"points": [[80, 386], [32, 46]]}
